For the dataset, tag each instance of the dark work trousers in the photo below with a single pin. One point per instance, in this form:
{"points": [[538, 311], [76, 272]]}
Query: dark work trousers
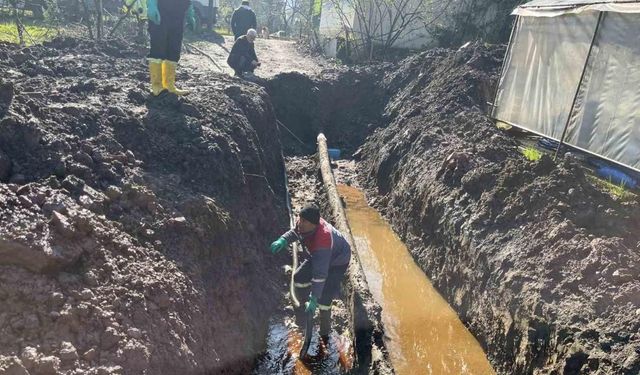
{"points": [[166, 38], [244, 65], [331, 291]]}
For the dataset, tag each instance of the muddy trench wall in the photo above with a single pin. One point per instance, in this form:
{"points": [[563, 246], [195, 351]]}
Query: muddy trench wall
{"points": [[343, 104], [133, 232], [539, 263]]}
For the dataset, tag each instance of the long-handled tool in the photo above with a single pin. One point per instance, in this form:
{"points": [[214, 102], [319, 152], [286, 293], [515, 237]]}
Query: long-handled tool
{"points": [[308, 330]]}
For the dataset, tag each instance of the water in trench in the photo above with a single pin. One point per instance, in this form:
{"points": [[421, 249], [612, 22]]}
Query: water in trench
{"points": [[284, 342], [426, 336]]}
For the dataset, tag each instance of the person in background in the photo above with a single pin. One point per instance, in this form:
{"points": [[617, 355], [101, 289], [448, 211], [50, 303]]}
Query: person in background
{"points": [[242, 58], [242, 20], [166, 27], [324, 271]]}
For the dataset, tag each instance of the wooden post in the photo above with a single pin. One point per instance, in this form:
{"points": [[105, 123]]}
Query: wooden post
{"points": [[211, 16], [19, 26]]}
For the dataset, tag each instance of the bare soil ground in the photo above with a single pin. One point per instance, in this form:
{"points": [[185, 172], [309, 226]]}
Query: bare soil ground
{"points": [[134, 230], [277, 56]]}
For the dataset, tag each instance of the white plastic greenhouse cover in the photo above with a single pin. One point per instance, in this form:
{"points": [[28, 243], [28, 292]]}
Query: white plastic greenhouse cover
{"points": [[542, 75]]}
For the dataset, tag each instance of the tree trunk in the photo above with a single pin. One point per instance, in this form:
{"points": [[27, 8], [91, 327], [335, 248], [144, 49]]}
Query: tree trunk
{"points": [[210, 16], [99, 19], [19, 26], [87, 17]]}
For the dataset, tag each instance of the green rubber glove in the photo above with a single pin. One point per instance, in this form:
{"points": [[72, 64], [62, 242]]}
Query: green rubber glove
{"points": [[191, 17], [278, 245], [153, 14], [311, 305]]}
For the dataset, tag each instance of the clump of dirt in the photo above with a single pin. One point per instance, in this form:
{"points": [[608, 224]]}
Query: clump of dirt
{"points": [[134, 231], [541, 265]]}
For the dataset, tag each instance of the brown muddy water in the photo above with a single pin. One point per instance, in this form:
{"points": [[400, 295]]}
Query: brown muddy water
{"points": [[425, 335], [284, 342]]}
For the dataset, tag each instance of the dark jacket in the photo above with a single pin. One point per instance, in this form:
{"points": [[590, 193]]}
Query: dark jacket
{"points": [[242, 20], [242, 53], [328, 248]]}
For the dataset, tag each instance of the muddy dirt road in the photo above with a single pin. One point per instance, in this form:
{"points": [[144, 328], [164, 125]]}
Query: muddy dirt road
{"points": [[277, 56]]}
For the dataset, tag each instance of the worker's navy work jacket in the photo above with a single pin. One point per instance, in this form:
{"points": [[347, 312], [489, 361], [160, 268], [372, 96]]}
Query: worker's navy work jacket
{"points": [[327, 248]]}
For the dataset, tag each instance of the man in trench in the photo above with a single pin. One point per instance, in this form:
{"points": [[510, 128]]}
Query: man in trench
{"points": [[242, 58], [324, 271]]}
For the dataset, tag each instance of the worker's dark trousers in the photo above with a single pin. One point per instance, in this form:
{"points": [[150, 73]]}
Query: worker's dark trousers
{"points": [[166, 38], [331, 291], [242, 65]]}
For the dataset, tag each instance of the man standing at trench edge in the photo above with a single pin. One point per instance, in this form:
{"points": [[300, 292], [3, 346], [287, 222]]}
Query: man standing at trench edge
{"points": [[166, 28], [323, 272]]}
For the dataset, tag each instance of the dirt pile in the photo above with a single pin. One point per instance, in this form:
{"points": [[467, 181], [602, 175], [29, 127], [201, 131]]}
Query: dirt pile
{"points": [[133, 232], [540, 264], [344, 104]]}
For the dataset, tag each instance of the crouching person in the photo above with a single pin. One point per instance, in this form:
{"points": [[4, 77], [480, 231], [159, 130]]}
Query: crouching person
{"points": [[242, 58], [321, 274]]}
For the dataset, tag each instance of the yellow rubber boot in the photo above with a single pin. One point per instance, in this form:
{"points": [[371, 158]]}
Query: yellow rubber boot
{"points": [[169, 78], [155, 72]]}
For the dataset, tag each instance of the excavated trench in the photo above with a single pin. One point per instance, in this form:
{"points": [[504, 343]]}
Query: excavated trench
{"points": [[134, 231], [445, 346], [539, 263]]}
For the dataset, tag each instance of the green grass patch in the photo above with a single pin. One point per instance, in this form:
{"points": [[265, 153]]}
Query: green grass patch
{"points": [[35, 33], [531, 153], [223, 31], [618, 191]]}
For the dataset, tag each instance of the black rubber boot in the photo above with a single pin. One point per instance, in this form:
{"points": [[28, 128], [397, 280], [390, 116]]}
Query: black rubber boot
{"points": [[325, 325]]}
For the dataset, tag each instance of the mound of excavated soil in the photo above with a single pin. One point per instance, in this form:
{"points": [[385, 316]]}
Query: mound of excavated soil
{"points": [[134, 231], [541, 265]]}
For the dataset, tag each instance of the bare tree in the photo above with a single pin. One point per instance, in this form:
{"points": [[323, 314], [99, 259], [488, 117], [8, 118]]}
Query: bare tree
{"points": [[293, 12], [466, 20], [99, 19], [371, 24]]}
